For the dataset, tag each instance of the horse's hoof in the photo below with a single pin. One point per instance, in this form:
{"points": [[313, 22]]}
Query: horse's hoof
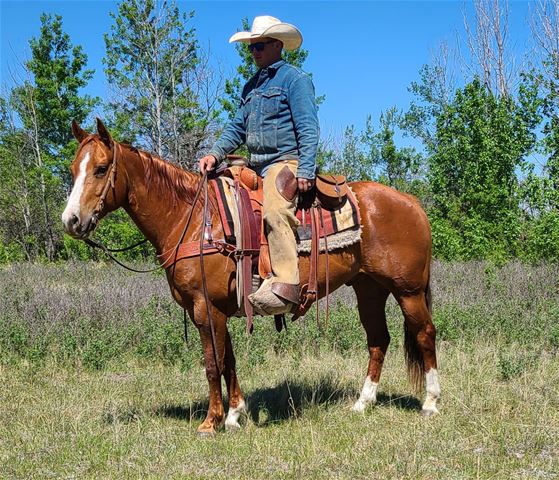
{"points": [[206, 430], [429, 412]]}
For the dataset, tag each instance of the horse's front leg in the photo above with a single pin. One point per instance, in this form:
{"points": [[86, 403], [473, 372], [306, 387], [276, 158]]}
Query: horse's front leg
{"points": [[237, 405], [214, 359]]}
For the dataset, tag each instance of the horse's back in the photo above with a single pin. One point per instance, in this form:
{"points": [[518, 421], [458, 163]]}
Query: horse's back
{"points": [[396, 239]]}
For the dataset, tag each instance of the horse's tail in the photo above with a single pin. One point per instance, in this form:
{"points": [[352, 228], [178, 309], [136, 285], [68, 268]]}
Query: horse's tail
{"points": [[414, 357]]}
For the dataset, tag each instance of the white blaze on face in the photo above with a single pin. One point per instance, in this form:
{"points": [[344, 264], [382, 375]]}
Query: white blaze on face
{"points": [[368, 396], [73, 206]]}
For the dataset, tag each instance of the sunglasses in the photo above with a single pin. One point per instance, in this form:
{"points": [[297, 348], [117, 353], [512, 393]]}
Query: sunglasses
{"points": [[259, 46]]}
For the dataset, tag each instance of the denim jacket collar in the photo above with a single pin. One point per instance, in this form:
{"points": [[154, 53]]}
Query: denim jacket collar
{"points": [[274, 66]]}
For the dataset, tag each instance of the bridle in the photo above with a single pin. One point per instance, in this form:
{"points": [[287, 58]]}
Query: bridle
{"points": [[168, 254], [110, 183]]}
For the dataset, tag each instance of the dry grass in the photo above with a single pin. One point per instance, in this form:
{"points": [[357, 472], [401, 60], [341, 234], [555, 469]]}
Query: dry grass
{"points": [[112, 394], [139, 420]]}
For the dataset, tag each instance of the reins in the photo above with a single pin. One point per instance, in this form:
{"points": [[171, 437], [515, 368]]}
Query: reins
{"points": [[107, 251], [203, 273], [168, 254]]}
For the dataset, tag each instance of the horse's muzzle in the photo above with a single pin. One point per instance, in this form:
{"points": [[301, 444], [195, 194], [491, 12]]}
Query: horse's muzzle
{"points": [[80, 229]]}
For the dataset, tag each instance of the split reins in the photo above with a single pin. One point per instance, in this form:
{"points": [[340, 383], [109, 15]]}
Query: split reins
{"points": [[168, 254]]}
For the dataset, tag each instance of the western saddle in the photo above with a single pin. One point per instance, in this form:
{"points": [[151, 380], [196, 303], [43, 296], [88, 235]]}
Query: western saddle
{"points": [[251, 250]]}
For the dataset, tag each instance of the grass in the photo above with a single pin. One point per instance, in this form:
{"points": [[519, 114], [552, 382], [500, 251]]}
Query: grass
{"points": [[139, 420], [97, 384]]}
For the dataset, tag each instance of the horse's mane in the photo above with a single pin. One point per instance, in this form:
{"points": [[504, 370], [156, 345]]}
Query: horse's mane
{"points": [[166, 178]]}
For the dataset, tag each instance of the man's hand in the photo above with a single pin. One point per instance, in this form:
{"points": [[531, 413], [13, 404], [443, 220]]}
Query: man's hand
{"points": [[304, 184], [207, 163]]}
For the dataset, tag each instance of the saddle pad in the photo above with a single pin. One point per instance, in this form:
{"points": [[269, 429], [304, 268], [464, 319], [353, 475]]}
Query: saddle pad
{"points": [[342, 226], [343, 218]]}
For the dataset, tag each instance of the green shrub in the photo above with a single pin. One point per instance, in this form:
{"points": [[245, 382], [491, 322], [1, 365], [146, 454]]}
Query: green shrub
{"points": [[11, 252], [447, 242], [541, 242], [513, 365]]}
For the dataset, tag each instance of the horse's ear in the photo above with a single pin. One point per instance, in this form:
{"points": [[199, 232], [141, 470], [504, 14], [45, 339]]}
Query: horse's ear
{"points": [[78, 131], [104, 133]]}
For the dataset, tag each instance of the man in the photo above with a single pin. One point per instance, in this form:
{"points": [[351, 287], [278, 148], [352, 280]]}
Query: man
{"points": [[277, 120]]}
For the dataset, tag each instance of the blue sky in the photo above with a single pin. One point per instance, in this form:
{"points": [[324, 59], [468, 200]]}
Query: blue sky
{"points": [[363, 54]]}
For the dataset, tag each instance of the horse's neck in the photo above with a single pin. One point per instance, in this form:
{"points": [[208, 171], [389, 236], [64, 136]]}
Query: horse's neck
{"points": [[158, 211]]}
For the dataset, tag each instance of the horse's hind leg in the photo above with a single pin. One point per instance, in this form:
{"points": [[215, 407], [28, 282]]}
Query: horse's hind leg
{"points": [[371, 302], [421, 357], [237, 406]]}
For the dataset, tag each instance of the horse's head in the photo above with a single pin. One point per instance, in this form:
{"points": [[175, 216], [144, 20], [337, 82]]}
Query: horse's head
{"points": [[96, 189]]}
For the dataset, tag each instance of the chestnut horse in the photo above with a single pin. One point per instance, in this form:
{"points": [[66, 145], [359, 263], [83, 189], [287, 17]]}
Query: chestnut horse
{"points": [[393, 257]]}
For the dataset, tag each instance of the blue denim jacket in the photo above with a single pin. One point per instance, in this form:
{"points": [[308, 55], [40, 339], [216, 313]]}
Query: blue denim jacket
{"points": [[277, 119]]}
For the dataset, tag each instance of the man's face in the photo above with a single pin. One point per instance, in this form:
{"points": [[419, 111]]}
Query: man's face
{"points": [[269, 55]]}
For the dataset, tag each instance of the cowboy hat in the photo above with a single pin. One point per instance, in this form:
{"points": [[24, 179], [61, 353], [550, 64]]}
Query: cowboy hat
{"points": [[266, 26]]}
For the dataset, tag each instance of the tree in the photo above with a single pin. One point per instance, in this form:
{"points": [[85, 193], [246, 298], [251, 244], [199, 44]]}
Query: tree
{"points": [[545, 30], [374, 155], [37, 137], [59, 72], [432, 94], [352, 160], [164, 96], [16, 219], [396, 167], [482, 141], [489, 48]]}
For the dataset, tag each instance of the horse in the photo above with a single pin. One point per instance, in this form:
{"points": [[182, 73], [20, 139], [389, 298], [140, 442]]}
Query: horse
{"points": [[393, 257]]}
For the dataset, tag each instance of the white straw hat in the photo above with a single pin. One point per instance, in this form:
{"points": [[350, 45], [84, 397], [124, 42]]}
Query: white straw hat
{"points": [[266, 26]]}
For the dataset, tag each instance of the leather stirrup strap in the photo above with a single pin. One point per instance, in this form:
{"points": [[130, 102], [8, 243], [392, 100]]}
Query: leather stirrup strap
{"points": [[312, 290], [327, 273], [245, 263], [309, 291]]}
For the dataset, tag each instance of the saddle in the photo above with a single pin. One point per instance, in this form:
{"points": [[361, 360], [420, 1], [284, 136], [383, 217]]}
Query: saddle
{"points": [[329, 195], [328, 208]]}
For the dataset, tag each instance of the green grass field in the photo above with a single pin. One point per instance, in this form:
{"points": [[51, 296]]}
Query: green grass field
{"points": [[97, 383]]}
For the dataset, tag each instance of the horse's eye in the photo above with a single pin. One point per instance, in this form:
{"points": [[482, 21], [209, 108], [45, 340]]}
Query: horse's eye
{"points": [[100, 171]]}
